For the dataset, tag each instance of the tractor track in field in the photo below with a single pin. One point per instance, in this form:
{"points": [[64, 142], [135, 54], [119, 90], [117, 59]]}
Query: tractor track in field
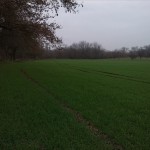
{"points": [[79, 117], [112, 75]]}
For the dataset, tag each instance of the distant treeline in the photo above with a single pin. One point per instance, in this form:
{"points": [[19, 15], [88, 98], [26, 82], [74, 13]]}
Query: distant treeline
{"points": [[81, 50], [85, 50], [26, 32]]}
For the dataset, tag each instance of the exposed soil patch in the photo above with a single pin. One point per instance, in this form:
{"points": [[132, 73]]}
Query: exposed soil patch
{"points": [[94, 130], [79, 117]]}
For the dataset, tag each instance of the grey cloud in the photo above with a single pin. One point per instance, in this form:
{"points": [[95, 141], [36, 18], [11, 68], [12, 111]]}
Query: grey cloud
{"points": [[112, 23]]}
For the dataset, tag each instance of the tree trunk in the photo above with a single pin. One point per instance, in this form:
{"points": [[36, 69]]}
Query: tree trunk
{"points": [[13, 54]]}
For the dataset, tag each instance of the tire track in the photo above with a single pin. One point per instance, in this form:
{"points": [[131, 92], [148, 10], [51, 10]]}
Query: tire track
{"points": [[79, 117], [112, 75]]}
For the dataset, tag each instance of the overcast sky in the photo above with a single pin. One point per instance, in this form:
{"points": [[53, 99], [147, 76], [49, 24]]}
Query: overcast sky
{"points": [[112, 23]]}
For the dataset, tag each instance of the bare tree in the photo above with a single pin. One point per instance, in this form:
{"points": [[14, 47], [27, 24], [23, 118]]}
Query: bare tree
{"points": [[25, 23]]}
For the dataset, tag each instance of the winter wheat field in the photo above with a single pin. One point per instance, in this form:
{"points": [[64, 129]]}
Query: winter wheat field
{"points": [[75, 105]]}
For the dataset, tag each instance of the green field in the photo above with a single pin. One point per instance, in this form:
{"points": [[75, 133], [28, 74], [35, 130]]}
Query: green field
{"points": [[75, 105]]}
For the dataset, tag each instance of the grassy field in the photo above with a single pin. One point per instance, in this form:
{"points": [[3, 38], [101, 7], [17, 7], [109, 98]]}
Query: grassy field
{"points": [[75, 104]]}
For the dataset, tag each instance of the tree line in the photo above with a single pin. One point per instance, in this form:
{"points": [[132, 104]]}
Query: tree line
{"points": [[86, 50], [27, 31]]}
